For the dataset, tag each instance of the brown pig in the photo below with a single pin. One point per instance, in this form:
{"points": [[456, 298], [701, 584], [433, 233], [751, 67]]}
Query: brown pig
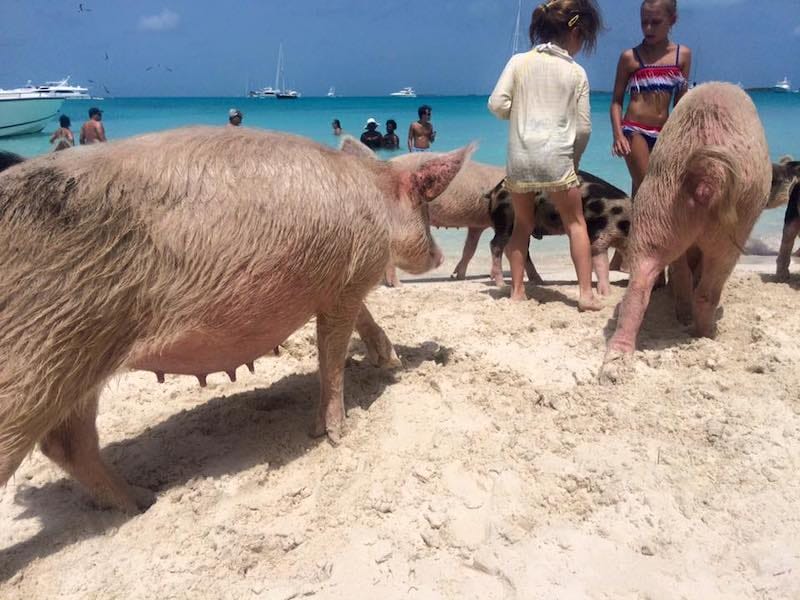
{"points": [[707, 183], [190, 251]]}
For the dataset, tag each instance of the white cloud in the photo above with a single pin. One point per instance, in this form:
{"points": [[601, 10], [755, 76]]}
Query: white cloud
{"points": [[161, 22]]}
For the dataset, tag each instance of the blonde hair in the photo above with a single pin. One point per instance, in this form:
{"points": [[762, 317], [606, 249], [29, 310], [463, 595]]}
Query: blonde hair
{"points": [[671, 6], [553, 19]]}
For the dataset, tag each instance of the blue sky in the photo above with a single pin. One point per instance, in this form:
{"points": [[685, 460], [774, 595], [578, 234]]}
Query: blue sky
{"points": [[363, 47]]}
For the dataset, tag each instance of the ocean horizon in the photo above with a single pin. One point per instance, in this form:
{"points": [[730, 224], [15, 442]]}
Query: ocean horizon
{"points": [[458, 120]]}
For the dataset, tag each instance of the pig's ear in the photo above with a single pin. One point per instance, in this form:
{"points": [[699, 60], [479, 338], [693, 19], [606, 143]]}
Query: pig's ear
{"points": [[433, 176], [354, 147]]}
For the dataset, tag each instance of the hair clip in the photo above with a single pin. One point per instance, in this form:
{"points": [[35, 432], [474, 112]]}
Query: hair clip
{"points": [[573, 21]]}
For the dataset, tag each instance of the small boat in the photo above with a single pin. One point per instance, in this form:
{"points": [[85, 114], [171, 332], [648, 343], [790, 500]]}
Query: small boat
{"points": [[288, 95], [784, 86], [406, 92], [331, 92], [25, 110], [265, 92]]}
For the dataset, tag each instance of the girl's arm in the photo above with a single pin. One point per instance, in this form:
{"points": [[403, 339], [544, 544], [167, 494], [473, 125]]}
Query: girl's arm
{"points": [[583, 127], [621, 146], [686, 67], [502, 96]]}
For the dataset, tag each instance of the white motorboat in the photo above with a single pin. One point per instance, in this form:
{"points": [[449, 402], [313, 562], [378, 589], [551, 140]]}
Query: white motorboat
{"points": [[265, 92], [331, 92], [24, 110], [406, 92], [784, 86], [63, 89]]}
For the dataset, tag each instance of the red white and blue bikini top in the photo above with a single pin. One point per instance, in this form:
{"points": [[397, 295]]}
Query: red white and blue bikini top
{"points": [[656, 78]]}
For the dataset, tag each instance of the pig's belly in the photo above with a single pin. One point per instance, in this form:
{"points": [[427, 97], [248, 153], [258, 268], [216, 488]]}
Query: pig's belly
{"points": [[202, 352]]}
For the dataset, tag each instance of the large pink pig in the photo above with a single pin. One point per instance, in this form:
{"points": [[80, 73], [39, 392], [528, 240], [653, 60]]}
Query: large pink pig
{"points": [[708, 181], [189, 251]]}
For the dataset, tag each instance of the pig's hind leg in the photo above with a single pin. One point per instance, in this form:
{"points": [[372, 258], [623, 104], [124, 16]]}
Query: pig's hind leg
{"points": [[790, 232], [715, 271], [74, 446], [682, 285], [633, 306]]}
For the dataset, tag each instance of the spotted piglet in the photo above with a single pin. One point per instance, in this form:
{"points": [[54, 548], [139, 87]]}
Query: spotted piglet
{"points": [[607, 211]]}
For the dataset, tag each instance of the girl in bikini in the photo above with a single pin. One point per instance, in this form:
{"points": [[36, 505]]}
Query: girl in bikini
{"points": [[655, 73]]}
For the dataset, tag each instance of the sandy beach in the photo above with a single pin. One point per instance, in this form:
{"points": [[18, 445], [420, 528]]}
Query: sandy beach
{"points": [[492, 465]]}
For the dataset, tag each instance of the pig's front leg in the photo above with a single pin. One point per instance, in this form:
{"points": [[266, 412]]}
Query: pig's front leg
{"points": [[790, 232], [498, 245], [390, 277], [633, 306], [380, 351], [601, 268], [682, 283], [333, 337], [470, 245]]}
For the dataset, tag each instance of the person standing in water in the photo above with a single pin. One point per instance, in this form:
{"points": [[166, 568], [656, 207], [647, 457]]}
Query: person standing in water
{"points": [[421, 133], [390, 140], [62, 137], [92, 131]]}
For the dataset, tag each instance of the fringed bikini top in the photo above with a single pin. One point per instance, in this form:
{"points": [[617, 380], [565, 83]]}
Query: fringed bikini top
{"points": [[656, 78]]}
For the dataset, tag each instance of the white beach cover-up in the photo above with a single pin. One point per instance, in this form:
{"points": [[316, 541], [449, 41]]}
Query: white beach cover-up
{"points": [[544, 94]]}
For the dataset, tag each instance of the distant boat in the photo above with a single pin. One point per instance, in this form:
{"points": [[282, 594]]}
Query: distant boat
{"points": [[26, 110], [283, 92], [331, 92], [784, 86], [406, 92], [63, 89]]}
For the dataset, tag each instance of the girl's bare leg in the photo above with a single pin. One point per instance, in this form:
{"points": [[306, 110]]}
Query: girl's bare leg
{"points": [[570, 206], [518, 244], [637, 161]]}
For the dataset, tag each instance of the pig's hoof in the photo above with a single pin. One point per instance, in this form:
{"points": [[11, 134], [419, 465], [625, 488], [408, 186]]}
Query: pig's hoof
{"points": [[333, 431], [385, 358], [458, 275], [616, 369], [498, 280], [142, 497]]}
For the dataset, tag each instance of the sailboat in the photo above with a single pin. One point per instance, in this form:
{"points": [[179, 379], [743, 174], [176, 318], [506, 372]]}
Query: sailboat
{"points": [[283, 93]]}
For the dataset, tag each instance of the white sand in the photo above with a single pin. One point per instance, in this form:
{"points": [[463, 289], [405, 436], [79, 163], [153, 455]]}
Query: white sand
{"points": [[491, 466]]}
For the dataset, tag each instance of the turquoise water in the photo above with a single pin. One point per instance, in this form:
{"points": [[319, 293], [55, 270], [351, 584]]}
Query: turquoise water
{"points": [[457, 120]]}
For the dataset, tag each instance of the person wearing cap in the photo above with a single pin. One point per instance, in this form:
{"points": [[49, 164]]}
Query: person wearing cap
{"points": [[234, 117], [92, 131], [372, 138]]}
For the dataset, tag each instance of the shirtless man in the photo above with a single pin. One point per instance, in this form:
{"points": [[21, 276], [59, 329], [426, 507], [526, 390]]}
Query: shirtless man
{"points": [[92, 131], [421, 134]]}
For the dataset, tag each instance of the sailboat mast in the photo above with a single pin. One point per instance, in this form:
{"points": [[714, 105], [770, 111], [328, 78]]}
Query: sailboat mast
{"points": [[279, 66], [515, 43]]}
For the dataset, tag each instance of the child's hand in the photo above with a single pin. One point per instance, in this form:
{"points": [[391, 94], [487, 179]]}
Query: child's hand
{"points": [[621, 146]]}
